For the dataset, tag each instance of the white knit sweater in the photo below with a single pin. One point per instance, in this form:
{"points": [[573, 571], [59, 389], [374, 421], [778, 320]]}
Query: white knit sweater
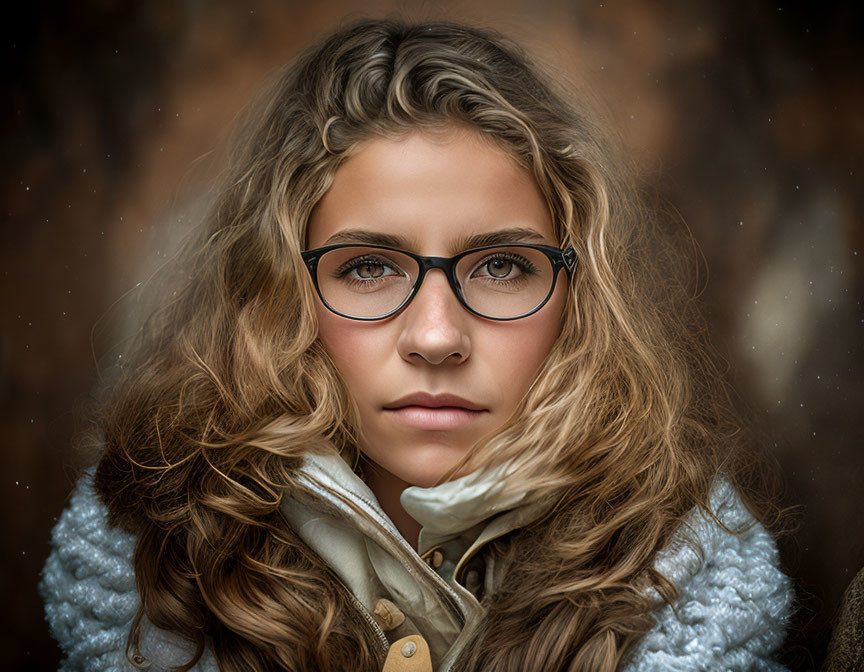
{"points": [[734, 602]]}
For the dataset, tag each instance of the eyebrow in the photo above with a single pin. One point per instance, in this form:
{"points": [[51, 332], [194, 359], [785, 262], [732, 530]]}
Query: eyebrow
{"points": [[464, 242]]}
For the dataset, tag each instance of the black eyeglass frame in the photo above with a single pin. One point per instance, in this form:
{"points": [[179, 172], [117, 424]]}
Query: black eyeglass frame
{"points": [[565, 259]]}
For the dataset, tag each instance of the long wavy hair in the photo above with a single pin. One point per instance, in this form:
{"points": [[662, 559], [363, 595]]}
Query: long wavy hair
{"points": [[225, 387]]}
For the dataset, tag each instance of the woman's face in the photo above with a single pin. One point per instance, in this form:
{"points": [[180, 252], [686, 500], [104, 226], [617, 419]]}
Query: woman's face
{"points": [[430, 192]]}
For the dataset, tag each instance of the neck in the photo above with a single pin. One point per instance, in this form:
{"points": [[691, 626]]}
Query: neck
{"points": [[387, 489]]}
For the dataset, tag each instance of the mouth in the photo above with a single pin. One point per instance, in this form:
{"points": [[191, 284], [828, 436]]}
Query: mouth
{"points": [[439, 418]]}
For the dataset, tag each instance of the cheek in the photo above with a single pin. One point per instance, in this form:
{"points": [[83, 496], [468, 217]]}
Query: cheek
{"points": [[516, 356], [351, 344], [522, 345]]}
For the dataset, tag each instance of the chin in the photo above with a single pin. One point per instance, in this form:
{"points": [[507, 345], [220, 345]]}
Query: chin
{"points": [[424, 467]]}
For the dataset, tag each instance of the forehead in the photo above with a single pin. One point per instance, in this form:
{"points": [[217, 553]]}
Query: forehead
{"points": [[430, 193]]}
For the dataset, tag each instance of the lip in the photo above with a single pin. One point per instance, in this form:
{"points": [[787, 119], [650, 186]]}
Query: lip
{"points": [[440, 418], [432, 401]]}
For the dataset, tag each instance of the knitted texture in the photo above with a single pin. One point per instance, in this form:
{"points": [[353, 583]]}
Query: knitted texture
{"points": [[846, 649], [733, 604], [733, 600], [88, 586]]}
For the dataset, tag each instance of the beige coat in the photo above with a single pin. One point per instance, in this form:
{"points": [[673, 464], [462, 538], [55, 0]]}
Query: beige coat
{"points": [[421, 600]]}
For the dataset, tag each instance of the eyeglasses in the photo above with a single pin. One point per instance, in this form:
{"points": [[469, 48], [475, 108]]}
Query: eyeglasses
{"points": [[497, 282]]}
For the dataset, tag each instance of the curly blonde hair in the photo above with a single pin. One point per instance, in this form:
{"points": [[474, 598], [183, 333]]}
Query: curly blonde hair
{"points": [[226, 387]]}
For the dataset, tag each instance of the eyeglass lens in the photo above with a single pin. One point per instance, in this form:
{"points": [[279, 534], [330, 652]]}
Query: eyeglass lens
{"points": [[501, 282]]}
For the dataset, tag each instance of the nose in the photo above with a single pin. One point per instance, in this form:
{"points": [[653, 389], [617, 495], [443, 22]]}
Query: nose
{"points": [[435, 323]]}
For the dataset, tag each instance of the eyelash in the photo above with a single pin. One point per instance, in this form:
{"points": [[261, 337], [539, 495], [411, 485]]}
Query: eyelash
{"points": [[351, 264], [525, 266]]}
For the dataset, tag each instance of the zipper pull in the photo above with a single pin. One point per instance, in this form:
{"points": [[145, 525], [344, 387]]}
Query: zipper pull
{"points": [[387, 614]]}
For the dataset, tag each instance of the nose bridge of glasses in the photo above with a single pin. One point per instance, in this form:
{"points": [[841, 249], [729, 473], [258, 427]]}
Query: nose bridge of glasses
{"points": [[444, 264]]}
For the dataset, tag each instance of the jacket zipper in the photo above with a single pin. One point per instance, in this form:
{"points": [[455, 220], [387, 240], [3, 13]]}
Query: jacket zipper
{"points": [[410, 557], [443, 589], [381, 641], [413, 559], [380, 637]]}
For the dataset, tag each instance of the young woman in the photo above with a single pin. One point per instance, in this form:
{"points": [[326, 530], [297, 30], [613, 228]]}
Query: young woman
{"points": [[424, 400]]}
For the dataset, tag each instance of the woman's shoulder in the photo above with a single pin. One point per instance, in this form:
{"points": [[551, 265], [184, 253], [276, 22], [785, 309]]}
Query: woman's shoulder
{"points": [[734, 601], [90, 594]]}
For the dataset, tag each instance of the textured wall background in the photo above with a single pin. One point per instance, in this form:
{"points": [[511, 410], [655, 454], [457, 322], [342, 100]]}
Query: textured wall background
{"points": [[746, 117]]}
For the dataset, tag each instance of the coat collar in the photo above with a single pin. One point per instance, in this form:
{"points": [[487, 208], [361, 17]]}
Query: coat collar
{"points": [[338, 516], [464, 507], [459, 506]]}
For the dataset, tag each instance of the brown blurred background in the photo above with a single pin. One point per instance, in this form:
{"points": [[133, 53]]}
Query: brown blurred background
{"points": [[745, 116]]}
